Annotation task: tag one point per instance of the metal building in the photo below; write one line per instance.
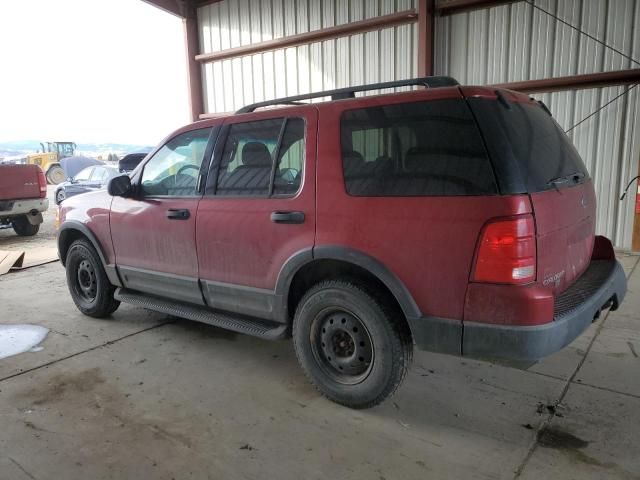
(575, 55)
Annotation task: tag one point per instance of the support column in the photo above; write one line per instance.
(194, 72)
(425, 37)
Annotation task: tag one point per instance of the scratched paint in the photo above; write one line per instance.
(16, 339)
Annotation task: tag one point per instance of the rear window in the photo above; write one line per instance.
(527, 147)
(414, 149)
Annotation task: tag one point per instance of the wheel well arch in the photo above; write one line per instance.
(69, 233)
(363, 270)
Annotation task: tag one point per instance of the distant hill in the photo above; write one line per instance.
(23, 147)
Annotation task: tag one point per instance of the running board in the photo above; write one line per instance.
(250, 326)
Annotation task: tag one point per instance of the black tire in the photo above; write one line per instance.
(354, 347)
(55, 175)
(88, 284)
(23, 227)
(60, 196)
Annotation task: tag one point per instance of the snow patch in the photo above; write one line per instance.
(15, 339)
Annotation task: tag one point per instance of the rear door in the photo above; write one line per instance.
(153, 231)
(259, 208)
(522, 135)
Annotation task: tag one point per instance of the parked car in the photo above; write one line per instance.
(459, 219)
(130, 161)
(23, 198)
(86, 180)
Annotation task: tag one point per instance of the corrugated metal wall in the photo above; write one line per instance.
(517, 42)
(502, 44)
(387, 54)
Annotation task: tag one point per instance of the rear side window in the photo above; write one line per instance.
(414, 149)
(528, 148)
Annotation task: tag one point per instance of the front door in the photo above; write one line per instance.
(259, 208)
(153, 232)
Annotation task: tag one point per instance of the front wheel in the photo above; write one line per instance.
(352, 346)
(88, 284)
(55, 175)
(23, 227)
(60, 196)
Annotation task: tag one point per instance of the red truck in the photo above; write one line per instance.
(23, 198)
(457, 219)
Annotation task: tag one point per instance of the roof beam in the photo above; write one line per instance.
(576, 82)
(376, 23)
(179, 8)
(449, 7)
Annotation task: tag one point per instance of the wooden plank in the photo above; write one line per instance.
(8, 259)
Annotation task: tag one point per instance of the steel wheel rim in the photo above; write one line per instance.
(86, 282)
(342, 346)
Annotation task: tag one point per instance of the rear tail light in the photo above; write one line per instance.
(42, 182)
(507, 252)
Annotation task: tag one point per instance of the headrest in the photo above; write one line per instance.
(352, 159)
(256, 154)
(415, 158)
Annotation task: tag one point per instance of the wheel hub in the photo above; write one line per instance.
(343, 346)
(86, 280)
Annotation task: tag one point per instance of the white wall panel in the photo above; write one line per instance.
(387, 54)
(517, 42)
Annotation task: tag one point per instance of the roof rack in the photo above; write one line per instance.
(349, 92)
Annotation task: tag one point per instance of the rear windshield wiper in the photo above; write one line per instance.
(575, 177)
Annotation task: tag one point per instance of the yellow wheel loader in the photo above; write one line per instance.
(49, 159)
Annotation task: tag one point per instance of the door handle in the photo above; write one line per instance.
(178, 214)
(287, 217)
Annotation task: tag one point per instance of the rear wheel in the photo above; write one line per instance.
(88, 284)
(352, 346)
(23, 227)
(55, 175)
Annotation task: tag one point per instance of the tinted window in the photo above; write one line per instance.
(409, 149)
(247, 159)
(527, 146)
(174, 169)
(291, 158)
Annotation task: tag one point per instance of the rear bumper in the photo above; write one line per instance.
(14, 208)
(603, 285)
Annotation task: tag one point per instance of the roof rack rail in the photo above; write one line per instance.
(349, 92)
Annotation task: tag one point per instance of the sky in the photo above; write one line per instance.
(91, 71)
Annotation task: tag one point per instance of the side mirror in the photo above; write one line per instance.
(119, 186)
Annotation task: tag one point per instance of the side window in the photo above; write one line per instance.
(414, 149)
(245, 167)
(246, 164)
(84, 175)
(288, 174)
(174, 169)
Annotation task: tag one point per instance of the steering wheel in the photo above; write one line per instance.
(185, 167)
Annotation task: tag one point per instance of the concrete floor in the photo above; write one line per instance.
(148, 396)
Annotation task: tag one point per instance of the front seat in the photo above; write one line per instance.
(254, 173)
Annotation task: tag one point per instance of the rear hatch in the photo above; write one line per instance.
(532, 154)
(19, 182)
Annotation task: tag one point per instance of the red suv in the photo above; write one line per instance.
(458, 219)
